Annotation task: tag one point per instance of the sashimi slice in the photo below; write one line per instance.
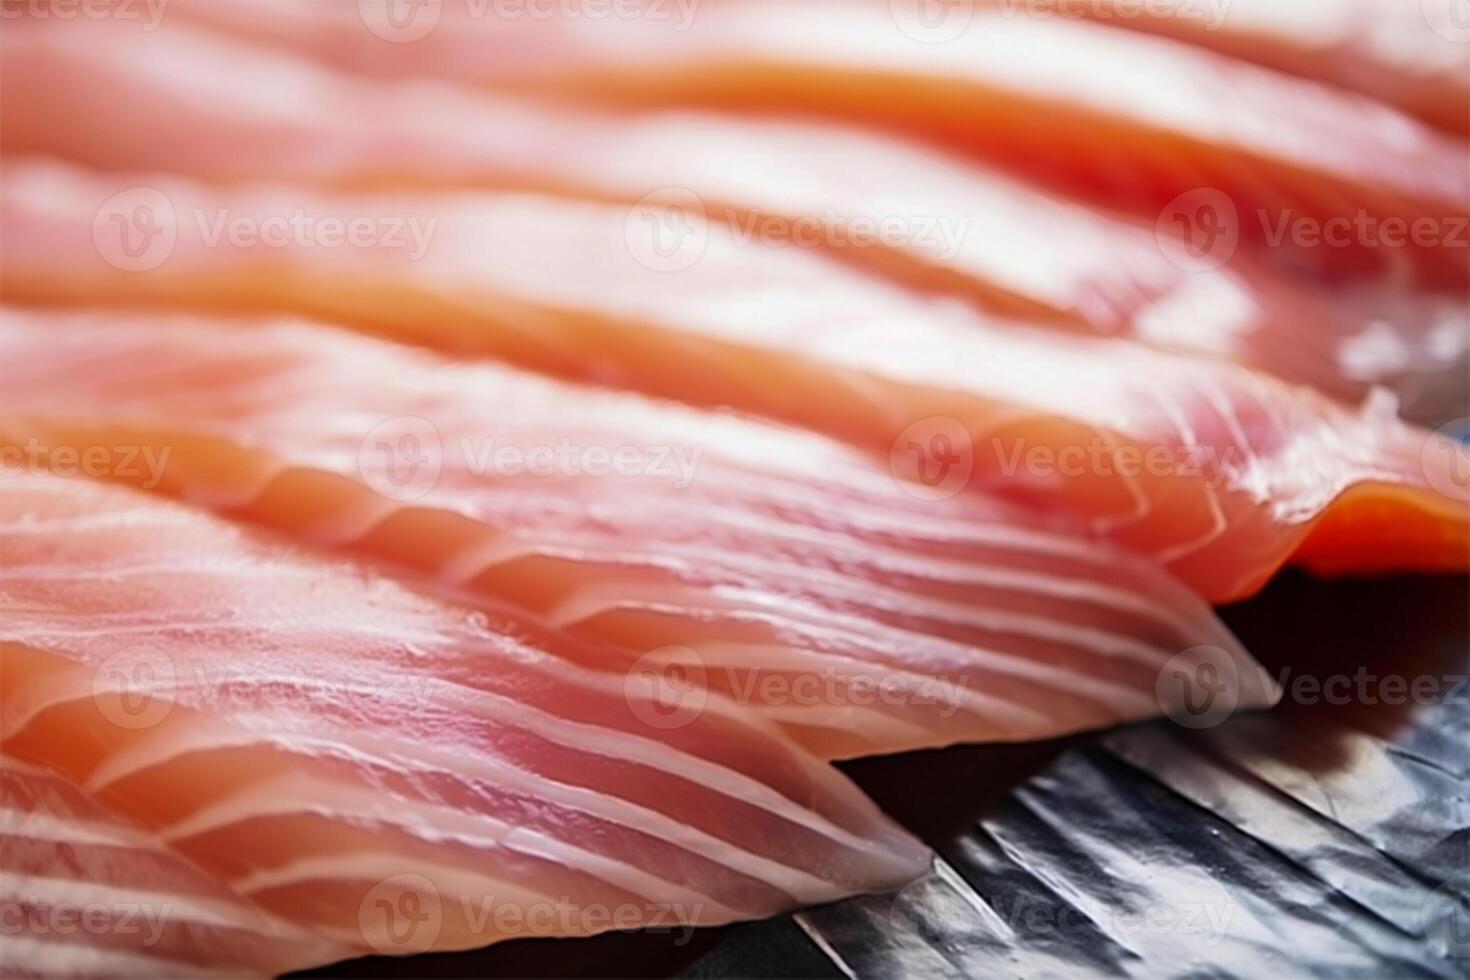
(1415, 56)
(1111, 115)
(86, 892)
(773, 567)
(1219, 472)
(386, 769)
(114, 97)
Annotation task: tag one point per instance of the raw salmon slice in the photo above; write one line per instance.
(1414, 56)
(385, 769)
(1115, 116)
(1221, 473)
(88, 893)
(106, 94)
(779, 569)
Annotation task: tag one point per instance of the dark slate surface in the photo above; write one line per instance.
(1328, 837)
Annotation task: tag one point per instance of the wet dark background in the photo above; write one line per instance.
(1326, 839)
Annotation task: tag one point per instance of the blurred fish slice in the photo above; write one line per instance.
(769, 566)
(87, 893)
(1218, 472)
(1414, 56)
(385, 770)
(1115, 116)
(109, 95)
